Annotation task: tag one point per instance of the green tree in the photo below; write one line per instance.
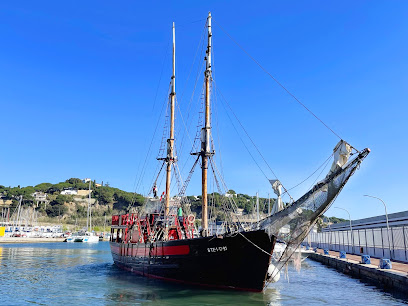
(43, 187)
(74, 181)
(104, 195)
(248, 207)
(61, 186)
(80, 211)
(57, 207)
(63, 198)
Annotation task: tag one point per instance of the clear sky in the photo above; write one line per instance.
(82, 85)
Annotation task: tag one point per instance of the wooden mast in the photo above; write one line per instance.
(206, 132)
(170, 142)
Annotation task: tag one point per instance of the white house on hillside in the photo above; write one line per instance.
(70, 192)
(40, 197)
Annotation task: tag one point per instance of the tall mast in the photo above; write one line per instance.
(206, 131)
(89, 208)
(170, 142)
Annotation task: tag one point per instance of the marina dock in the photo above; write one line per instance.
(29, 240)
(395, 278)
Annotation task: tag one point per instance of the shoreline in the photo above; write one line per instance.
(4, 240)
(395, 278)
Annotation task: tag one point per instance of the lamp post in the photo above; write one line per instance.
(351, 228)
(386, 219)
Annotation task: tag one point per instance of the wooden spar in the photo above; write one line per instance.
(170, 141)
(205, 145)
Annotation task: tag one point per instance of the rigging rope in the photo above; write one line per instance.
(259, 152)
(233, 205)
(258, 247)
(136, 185)
(327, 162)
(161, 75)
(324, 163)
(185, 126)
(276, 81)
(150, 146)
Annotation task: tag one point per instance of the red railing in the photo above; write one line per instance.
(115, 220)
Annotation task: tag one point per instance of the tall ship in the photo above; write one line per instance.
(163, 240)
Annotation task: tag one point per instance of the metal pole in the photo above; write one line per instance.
(359, 241)
(89, 208)
(330, 233)
(320, 240)
(336, 240)
(351, 228)
(405, 243)
(386, 219)
(392, 240)
(372, 235)
(382, 241)
(365, 234)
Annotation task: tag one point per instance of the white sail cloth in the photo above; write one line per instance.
(277, 189)
(341, 153)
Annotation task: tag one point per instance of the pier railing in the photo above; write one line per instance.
(376, 242)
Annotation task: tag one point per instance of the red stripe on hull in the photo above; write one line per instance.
(171, 250)
(140, 250)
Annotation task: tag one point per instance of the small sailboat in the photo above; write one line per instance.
(157, 241)
(86, 234)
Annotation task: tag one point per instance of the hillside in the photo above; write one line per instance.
(52, 205)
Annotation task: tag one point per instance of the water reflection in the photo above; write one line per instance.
(57, 273)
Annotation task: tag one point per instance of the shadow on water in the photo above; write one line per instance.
(133, 288)
(314, 284)
(387, 292)
(77, 274)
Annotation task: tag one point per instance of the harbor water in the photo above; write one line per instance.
(79, 274)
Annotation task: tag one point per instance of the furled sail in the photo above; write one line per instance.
(302, 214)
(277, 189)
(341, 153)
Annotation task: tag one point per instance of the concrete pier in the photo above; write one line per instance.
(395, 278)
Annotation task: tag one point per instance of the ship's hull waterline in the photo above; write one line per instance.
(238, 262)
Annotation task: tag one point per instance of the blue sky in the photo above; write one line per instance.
(83, 85)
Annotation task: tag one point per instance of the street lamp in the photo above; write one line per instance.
(386, 219)
(351, 228)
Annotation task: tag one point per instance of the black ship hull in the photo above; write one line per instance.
(239, 261)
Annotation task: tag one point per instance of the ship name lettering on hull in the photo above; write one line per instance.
(217, 249)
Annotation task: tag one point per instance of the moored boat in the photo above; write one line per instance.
(219, 262)
(158, 241)
(83, 236)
